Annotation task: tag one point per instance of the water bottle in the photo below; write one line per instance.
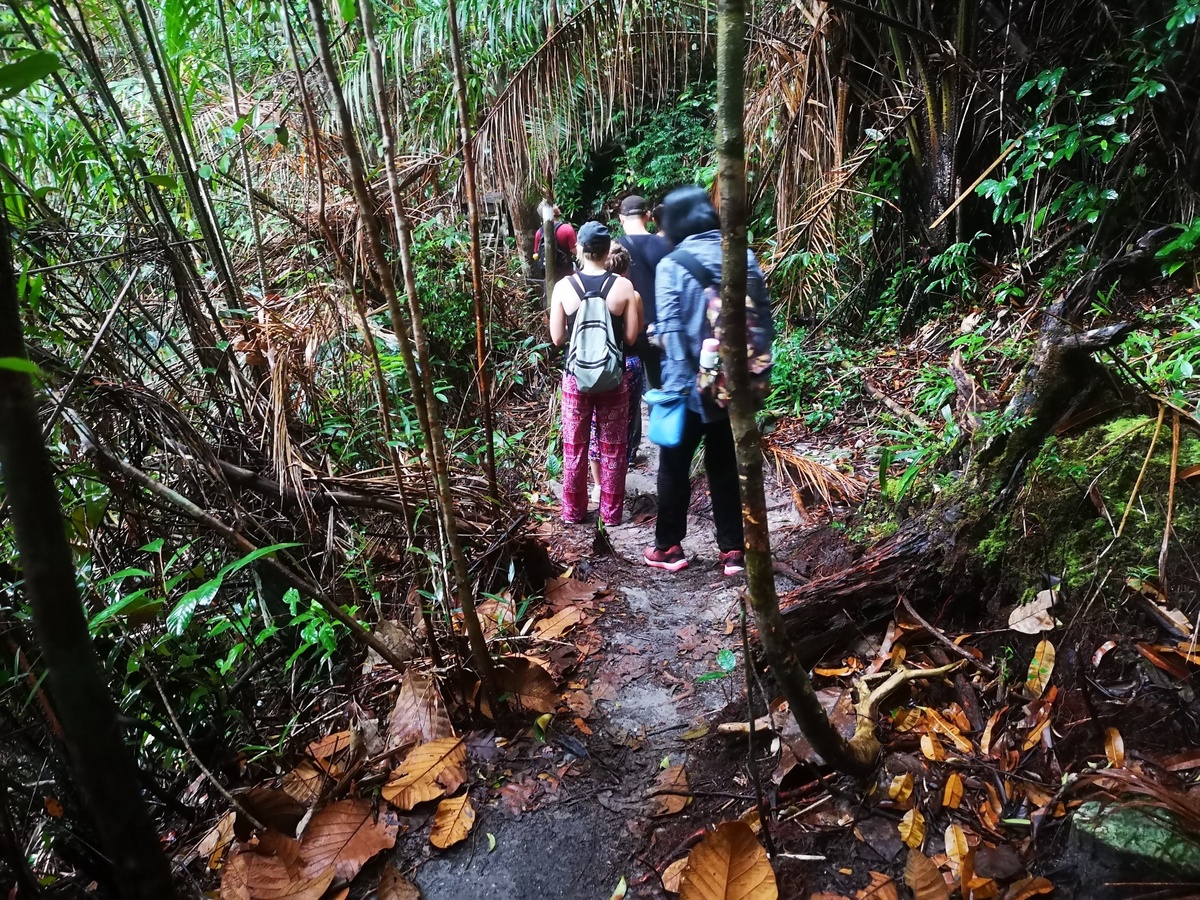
(710, 353)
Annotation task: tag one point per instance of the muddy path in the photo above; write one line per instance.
(570, 817)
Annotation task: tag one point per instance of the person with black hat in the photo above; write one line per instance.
(645, 252)
(611, 407)
(691, 223)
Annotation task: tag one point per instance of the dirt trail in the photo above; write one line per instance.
(591, 823)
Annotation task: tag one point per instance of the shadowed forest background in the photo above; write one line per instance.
(267, 320)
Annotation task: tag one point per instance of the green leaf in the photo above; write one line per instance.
(17, 76)
(124, 573)
(252, 556)
(133, 603)
(710, 676)
(166, 181)
(155, 546)
(726, 661)
(21, 364)
(180, 617)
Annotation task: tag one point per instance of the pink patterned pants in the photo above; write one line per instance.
(612, 424)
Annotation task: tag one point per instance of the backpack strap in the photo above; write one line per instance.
(605, 286)
(694, 267)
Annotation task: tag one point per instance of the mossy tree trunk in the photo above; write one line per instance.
(931, 556)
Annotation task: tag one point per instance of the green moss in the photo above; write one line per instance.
(1056, 526)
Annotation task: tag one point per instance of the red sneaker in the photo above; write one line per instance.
(733, 562)
(671, 559)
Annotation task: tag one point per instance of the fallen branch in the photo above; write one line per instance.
(945, 641)
(881, 395)
(867, 708)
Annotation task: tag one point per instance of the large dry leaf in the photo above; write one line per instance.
(1035, 616)
(901, 788)
(330, 745)
(882, 887)
(1041, 667)
(1114, 747)
(419, 715)
(273, 807)
(559, 624)
(305, 783)
(912, 829)
(673, 874)
(394, 886)
(526, 685)
(729, 864)
(344, 836)
(452, 822)
(563, 591)
(924, 878)
(213, 845)
(252, 876)
(675, 780)
(428, 772)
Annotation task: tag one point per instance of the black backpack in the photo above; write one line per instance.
(564, 262)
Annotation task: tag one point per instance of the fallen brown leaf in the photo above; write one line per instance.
(912, 829)
(305, 783)
(344, 836)
(526, 684)
(1114, 748)
(952, 794)
(1028, 887)
(672, 874)
(729, 864)
(559, 624)
(1040, 668)
(213, 845)
(419, 715)
(394, 886)
(957, 847)
(452, 822)
(330, 745)
(882, 887)
(428, 772)
(923, 877)
(253, 876)
(671, 779)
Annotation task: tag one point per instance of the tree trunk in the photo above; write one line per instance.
(760, 575)
(104, 766)
(481, 329)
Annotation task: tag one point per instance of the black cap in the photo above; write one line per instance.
(633, 205)
(594, 238)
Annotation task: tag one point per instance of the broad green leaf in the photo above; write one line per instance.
(17, 76)
(166, 181)
(252, 556)
(726, 661)
(135, 602)
(21, 364)
(155, 546)
(125, 573)
(180, 617)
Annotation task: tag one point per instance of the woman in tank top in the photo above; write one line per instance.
(610, 408)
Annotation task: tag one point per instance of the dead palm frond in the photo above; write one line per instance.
(806, 476)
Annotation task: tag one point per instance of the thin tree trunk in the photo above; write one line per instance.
(760, 575)
(259, 255)
(475, 636)
(481, 329)
(104, 766)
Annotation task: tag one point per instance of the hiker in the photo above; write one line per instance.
(594, 377)
(565, 242)
(618, 264)
(691, 223)
(645, 251)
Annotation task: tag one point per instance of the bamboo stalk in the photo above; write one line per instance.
(481, 337)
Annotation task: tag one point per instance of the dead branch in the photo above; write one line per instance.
(937, 635)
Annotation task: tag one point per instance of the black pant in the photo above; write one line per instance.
(675, 484)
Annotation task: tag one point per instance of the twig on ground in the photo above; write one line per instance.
(945, 641)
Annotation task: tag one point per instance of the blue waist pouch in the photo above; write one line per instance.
(667, 414)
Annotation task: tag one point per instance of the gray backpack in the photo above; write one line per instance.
(594, 355)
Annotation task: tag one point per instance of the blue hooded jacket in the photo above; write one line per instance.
(681, 326)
